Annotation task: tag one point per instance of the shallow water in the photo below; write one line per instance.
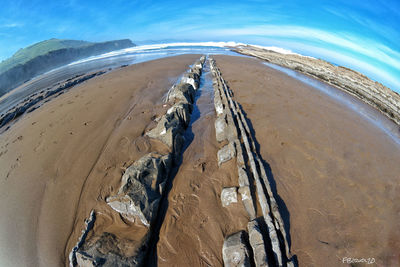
(203, 104)
(364, 110)
(110, 60)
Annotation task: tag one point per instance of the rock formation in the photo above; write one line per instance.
(142, 185)
(249, 165)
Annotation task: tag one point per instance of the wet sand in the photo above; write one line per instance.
(337, 174)
(196, 223)
(49, 155)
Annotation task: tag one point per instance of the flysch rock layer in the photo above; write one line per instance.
(249, 164)
(369, 91)
(142, 184)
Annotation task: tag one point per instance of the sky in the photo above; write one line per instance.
(360, 34)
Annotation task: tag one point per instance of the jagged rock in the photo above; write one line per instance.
(182, 92)
(84, 260)
(220, 129)
(140, 192)
(247, 201)
(235, 251)
(257, 244)
(228, 196)
(226, 153)
(108, 250)
(89, 223)
(180, 111)
(170, 128)
(191, 78)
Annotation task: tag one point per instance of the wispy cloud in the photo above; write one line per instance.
(11, 25)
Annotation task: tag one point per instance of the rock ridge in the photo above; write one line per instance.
(142, 184)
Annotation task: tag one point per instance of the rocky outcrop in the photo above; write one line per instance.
(235, 251)
(142, 185)
(249, 164)
(141, 189)
(15, 76)
(371, 92)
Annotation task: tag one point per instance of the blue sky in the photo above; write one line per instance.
(360, 34)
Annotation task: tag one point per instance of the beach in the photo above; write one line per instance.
(335, 174)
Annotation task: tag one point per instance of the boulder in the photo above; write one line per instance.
(220, 129)
(107, 250)
(171, 127)
(257, 244)
(141, 186)
(192, 79)
(181, 112)
(226, 153)
(84, 260)
(196, 70)
(228, 196)
(235, 251)
(182, 92)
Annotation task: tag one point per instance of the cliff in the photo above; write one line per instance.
(44, 56)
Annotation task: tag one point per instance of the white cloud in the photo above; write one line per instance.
(354, 43)
(11, 25)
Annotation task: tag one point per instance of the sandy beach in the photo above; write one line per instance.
(49, 157)
(336, 174)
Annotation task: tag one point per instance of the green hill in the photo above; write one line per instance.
(36, 59)
(25, 54)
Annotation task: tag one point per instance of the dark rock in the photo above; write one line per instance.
(142, 184)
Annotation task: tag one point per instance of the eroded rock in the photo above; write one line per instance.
(171, 126)
(226, 153)
(182, 92)
(108, 250)
(228, 196)
(247, 201)
(235, 251)
(192, 79)
(257, 244)
(220, 129)
(140, 192)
